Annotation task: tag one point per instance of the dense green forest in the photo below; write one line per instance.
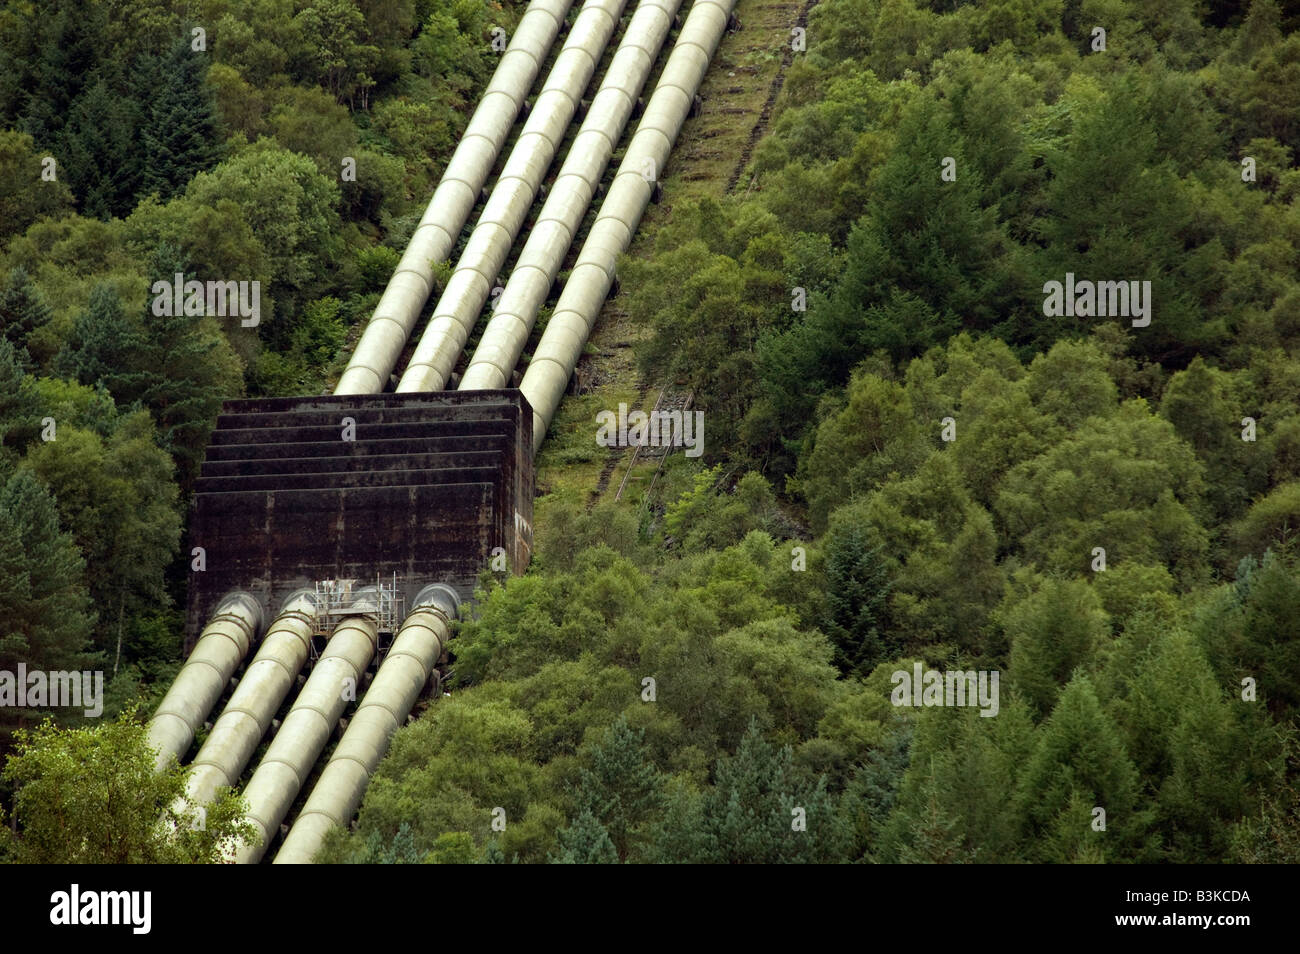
(909, 461)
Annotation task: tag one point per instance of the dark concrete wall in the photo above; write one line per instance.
(429, 485)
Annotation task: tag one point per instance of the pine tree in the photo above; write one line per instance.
(1117, 210)
(1270, 832)
(19, 402)
(15, 590)
(67, 48)
(179, 367)
(49, 616)
(621, 788)
(953, 805)
(758, 796)
(585, 842)
(399, 850)
(180, 129)
(1198, 402)
(22, 310)
(1260, 31)
(101, 154)
(936, 242)
(105, 345)
(1212, 758)
(1270, 634)
(680, 835)
(1051, 631)
(873, 790)
(936, 837)
(1080, 764)
(857, 593)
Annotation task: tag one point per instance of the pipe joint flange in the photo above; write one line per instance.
(300, 594)
(439, 596)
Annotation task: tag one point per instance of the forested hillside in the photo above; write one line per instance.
(913, 458)
(836, 318)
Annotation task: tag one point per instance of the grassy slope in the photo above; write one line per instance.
(708, 160)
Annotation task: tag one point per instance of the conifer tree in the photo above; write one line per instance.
(19, 402)
(585, 842)
(64, 48)
(49, 614)
(101, 152)
(756, 800)
(1051, 631)
(104, 347)
(621, 788)
(1080, 765)
(22, 310)
(179, 137)
(857, 594)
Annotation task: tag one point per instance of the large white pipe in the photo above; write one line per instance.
(470, 284)
(404, 673)
(307, 727)
(589, 283)
(385, 336)
(222, 645)
(247, 716)
(552, 234)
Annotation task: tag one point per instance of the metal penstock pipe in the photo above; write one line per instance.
(530, 282)
(255, 701)
(381, 344)
(222, 645)
(470, 284)
(404, 673)
(312, 718)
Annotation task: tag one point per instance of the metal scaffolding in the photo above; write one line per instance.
(338, 599)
